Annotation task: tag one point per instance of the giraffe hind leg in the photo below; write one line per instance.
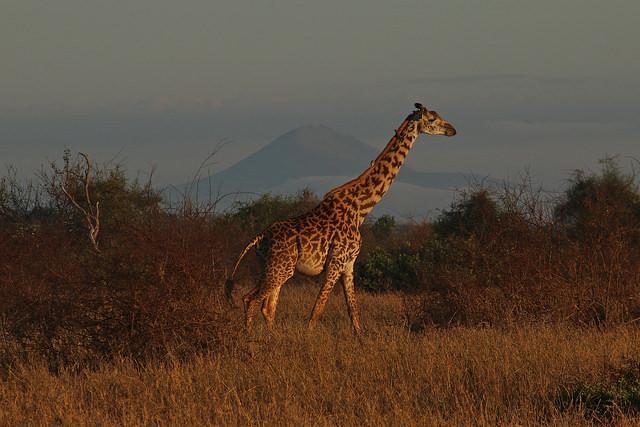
(249, 295)
(254, 291)
(277, 272)
(252, 307)
(267, 297)
(269, 307)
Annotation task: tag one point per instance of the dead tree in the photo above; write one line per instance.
(92, 212)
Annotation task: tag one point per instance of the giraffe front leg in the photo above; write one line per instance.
(333, 273)
(350, 298)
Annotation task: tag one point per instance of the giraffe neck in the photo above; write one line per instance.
(361, 194)
(376, 180)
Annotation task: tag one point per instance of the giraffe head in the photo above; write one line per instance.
(431, 123)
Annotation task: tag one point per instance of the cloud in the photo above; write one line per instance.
(471, 78)
(605, 125)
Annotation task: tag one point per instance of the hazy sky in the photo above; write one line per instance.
(545, 85)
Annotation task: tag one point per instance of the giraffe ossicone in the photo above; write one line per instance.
(327, 238)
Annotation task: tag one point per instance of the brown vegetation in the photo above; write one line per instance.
(508, 309)
(513, 256)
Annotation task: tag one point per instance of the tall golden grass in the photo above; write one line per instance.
(455, 376)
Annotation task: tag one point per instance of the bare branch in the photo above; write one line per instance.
(91, 216)
(87, 181)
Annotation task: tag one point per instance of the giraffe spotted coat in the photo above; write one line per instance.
(327, 238)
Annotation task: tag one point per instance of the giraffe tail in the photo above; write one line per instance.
(228, 286)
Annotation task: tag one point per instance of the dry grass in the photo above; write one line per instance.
(545, 330)
(454, 376)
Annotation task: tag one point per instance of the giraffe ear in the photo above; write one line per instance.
(417, 115)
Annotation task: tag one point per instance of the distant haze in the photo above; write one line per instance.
(319, 158)
(545, 86)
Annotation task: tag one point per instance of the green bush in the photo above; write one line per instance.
(256, 215)
(476, 214)
(408, 268)
(596, 205)
(605, 400)
(383, 227)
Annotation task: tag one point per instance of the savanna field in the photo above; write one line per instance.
(509, 308)
(529, 375)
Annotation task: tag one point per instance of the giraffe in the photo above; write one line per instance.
(327, 238)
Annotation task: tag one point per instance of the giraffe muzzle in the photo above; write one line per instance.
(450, 131)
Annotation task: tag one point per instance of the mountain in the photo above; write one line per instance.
(321, 158)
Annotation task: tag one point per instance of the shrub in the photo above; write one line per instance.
(383, 227)
(256, 215)
(407, 268)
(475, 215)
(620, 395)
(154, 285)
(520, 259)
(599, 204)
